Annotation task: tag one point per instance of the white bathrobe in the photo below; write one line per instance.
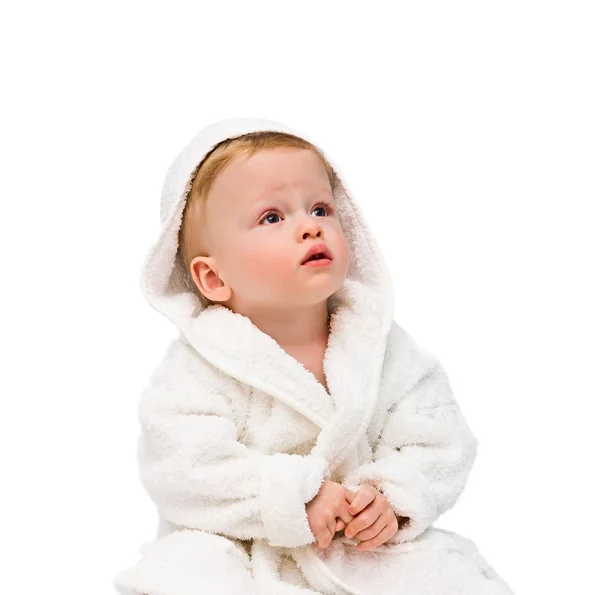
(237, 436)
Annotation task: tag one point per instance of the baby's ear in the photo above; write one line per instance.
(204, 273)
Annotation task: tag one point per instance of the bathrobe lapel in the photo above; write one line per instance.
(352, 365)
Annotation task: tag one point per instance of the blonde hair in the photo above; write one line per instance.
(191, 243)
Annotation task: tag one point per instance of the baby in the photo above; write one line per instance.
(257, 207)
(295, 439)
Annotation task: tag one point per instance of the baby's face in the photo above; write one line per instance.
(263, 214)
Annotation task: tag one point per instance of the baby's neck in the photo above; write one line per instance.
(299, 331)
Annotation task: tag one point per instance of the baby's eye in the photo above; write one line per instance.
(270, 215)
(322, 208)
(329, 210)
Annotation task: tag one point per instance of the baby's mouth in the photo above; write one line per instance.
(319, 252)
(316, 257)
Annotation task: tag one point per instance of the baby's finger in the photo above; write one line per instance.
(339, 525)
(373, 530)
(322, 538)
(345, 515)
(327, 534)
(331, 526)
(388, 531)
(363, 498)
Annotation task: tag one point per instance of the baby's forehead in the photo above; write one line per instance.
(272, 171)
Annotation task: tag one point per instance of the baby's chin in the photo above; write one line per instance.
(298, 300)
(295, 291)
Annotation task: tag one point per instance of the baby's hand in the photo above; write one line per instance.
(376, 523)
(328, 511)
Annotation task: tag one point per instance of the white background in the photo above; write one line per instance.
(469, 132)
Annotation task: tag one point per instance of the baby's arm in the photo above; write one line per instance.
(201, 477)
(425, 451)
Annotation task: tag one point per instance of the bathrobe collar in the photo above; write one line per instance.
(362, 311)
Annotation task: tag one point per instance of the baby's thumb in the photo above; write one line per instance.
(339, 525)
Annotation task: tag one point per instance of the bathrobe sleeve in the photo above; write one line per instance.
(424, 454)
(200, 476)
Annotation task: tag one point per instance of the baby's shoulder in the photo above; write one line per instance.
(406, 360)
(400, 343)
(183, 376)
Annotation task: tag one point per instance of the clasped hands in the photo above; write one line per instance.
(365, 515)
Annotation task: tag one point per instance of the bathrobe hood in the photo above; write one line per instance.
(362, 309)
